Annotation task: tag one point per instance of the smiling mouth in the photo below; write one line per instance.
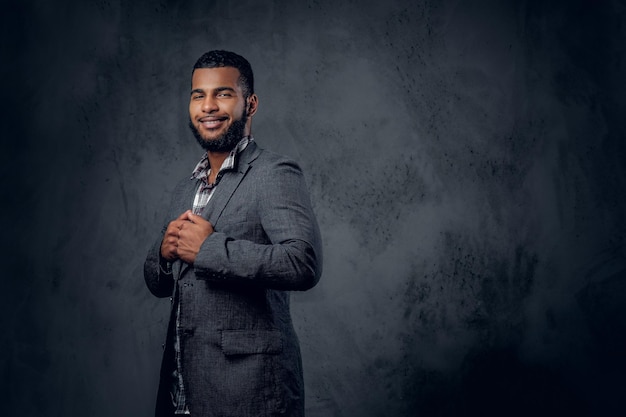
(212, 122)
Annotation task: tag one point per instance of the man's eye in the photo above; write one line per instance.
(224, 95)
(197, 97)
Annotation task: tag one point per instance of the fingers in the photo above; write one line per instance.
(184, 236)
(195, 219)
(184, 215)
(170, 243)
(169, 248)
(187, 217)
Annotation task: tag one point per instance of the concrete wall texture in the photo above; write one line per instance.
(466, 162)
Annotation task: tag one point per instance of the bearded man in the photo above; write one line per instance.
(239, 236)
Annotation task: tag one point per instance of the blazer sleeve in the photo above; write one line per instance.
(156, 272)
(293, 258)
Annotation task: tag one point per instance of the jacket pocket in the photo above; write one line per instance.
(249, 342)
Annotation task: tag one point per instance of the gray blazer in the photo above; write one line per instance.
(240, 354)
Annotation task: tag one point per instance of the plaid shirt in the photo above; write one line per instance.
(203, 170)
(203, 195)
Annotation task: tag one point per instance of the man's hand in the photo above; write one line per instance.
(192, 234)
(184, 236)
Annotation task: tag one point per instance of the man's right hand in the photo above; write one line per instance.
(169, 245)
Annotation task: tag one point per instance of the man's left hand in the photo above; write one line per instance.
(191, 235)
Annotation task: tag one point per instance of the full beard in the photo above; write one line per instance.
(227, 141)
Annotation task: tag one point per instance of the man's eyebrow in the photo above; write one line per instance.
(220, 89)
(215, 90)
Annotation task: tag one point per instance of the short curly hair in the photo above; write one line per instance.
(217, 59)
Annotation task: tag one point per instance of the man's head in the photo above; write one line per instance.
(222, 100)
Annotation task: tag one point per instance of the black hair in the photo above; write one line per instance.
(217, 59)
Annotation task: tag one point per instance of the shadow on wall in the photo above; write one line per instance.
(603, 304)
(497, 382)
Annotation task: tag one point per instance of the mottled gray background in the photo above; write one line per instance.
(466, 162)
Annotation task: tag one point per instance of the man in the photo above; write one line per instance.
(241, 235)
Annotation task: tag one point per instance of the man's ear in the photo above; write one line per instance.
(253, 104)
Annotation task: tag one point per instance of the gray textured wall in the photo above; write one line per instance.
(466, 164)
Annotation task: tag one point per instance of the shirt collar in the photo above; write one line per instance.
(203, 169)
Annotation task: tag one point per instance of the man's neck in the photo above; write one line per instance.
(216, 159)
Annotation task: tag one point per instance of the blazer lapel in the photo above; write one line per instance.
(221, 195)
(229, 183)
(185, 196)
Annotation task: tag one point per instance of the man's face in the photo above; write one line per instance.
(217, 108)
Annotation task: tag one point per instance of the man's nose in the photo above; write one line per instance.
(209, 104)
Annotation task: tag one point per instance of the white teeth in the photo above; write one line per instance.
(212, 120)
